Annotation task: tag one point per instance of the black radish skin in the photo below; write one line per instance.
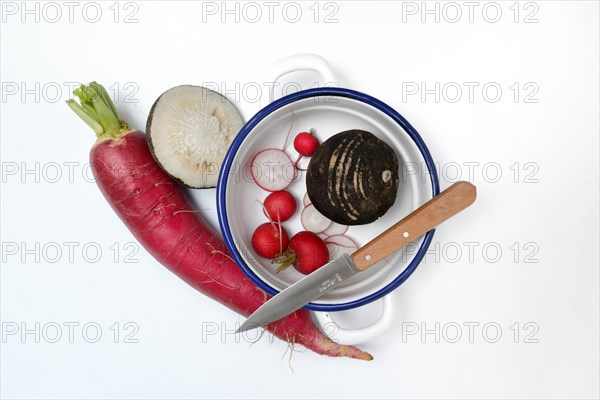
(352, 178)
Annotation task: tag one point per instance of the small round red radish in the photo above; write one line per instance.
(306, 143)
(273, 170)
(312, 220)
(307, 253)
(270, 239)
(280, 206)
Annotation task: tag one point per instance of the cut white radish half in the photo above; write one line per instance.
(341, 240)
(306, 200)
(189, 130)
(272, 170)
(335, 229)
(314, 221)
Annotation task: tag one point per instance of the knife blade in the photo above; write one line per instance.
(437, 210)
(302, 292)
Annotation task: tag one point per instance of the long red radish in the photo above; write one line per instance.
(153, 206)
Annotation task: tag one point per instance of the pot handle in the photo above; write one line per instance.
(326, 321)
(296, 62)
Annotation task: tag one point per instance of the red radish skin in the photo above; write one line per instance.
(307, 253)
(306, 143)
(280, 206)
(270, 239)
(157, 212)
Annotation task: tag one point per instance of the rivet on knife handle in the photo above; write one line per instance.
(437, 210)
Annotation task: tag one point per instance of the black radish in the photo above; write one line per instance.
(352, 178)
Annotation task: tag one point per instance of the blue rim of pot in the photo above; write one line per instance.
(262, 114)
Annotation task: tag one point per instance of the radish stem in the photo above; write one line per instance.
(287, 137)
(91, 120)
(101, 91)
(98, 111)
(280, 239)
(297, 161)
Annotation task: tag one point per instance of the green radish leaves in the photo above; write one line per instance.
(98, 111)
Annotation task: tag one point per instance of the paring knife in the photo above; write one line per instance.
(437, 210)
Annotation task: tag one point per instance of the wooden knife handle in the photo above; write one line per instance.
(437, 210)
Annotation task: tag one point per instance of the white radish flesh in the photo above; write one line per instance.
(314, 221)
(335, 229)
(341, 240)
(272, 170)
(335, 250)
(189, 130)
(306, 200)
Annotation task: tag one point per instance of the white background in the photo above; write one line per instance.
(549, 208)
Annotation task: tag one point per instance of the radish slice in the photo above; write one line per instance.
(335, 229)
(340, 244)
(342, 241)
(314, 221)
(335, 250)
(306, 200)
(272, 170)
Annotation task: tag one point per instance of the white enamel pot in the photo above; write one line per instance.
(329, 110)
